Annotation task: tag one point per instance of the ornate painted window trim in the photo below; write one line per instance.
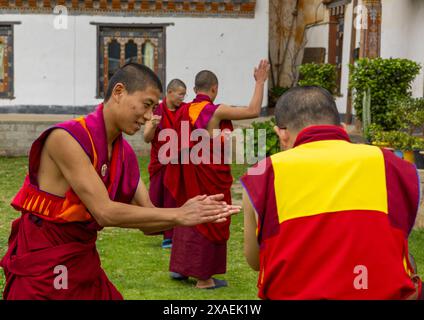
(139, 34)
(207, 8)
(6, 38)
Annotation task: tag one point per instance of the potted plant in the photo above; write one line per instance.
(401, 143)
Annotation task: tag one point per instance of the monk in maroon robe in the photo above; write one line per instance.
(163, 118)
(83, 176)
(201, 251)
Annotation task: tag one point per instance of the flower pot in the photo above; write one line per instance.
(409, 156)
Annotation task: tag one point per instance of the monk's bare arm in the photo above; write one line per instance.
(141, 196)
(251, 246)
(75, 166)
(142, 199)
(150, 128)
(226, 112)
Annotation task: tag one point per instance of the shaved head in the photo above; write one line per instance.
(205, 80)
(134, 77)
(175, 84)
(301, 107)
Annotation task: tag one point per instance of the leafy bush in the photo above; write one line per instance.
(408, 114)
(397, 140)
(272, 141)
(322, 75)
(388, 80)
(408, 117)
(275, 93)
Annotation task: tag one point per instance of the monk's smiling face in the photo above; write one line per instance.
(134, 109)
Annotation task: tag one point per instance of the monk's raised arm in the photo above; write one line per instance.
(226, 112)
(78, 171)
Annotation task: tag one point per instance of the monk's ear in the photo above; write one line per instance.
(215, 88)
(284, 137)
(118, 91)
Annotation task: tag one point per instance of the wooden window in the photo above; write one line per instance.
(120, 44)
(314, 55)
(6, 61)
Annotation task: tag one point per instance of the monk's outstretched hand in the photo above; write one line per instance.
(206, 209)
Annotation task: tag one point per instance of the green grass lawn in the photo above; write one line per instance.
(136, 263)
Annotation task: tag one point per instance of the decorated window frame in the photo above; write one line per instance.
(6, 60)
(118, 44)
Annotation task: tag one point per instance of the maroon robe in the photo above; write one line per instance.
(159, 194)
(199, 251)
(59, 231)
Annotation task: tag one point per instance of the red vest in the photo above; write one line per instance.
(334, 219)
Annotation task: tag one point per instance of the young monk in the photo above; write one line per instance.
(163, 118)
(201, 251)
(329, 219)
(84, 176)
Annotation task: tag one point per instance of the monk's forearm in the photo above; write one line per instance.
(149, 132)
(255, 105)
(116, 214)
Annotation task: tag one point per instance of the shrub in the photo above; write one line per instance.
(408, 114)
(322, 75)
(388, 80)
(397, 140)
(272, 141)
(275, 93)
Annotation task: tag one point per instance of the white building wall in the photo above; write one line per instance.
(58, 67)
(317, 37)
(416, 44)
(395, 27)
(402, 34)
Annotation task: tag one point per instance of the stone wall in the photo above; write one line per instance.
(16, 137)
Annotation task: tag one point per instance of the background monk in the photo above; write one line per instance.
(329, 219)
(163, 118)
(84, 176)
(201, 251)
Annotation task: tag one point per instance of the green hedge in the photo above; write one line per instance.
(272, 141)
(387, 80)
(322, 75)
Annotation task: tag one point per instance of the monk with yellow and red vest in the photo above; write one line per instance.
(329, 219)
(201, 251)
(84, 176)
